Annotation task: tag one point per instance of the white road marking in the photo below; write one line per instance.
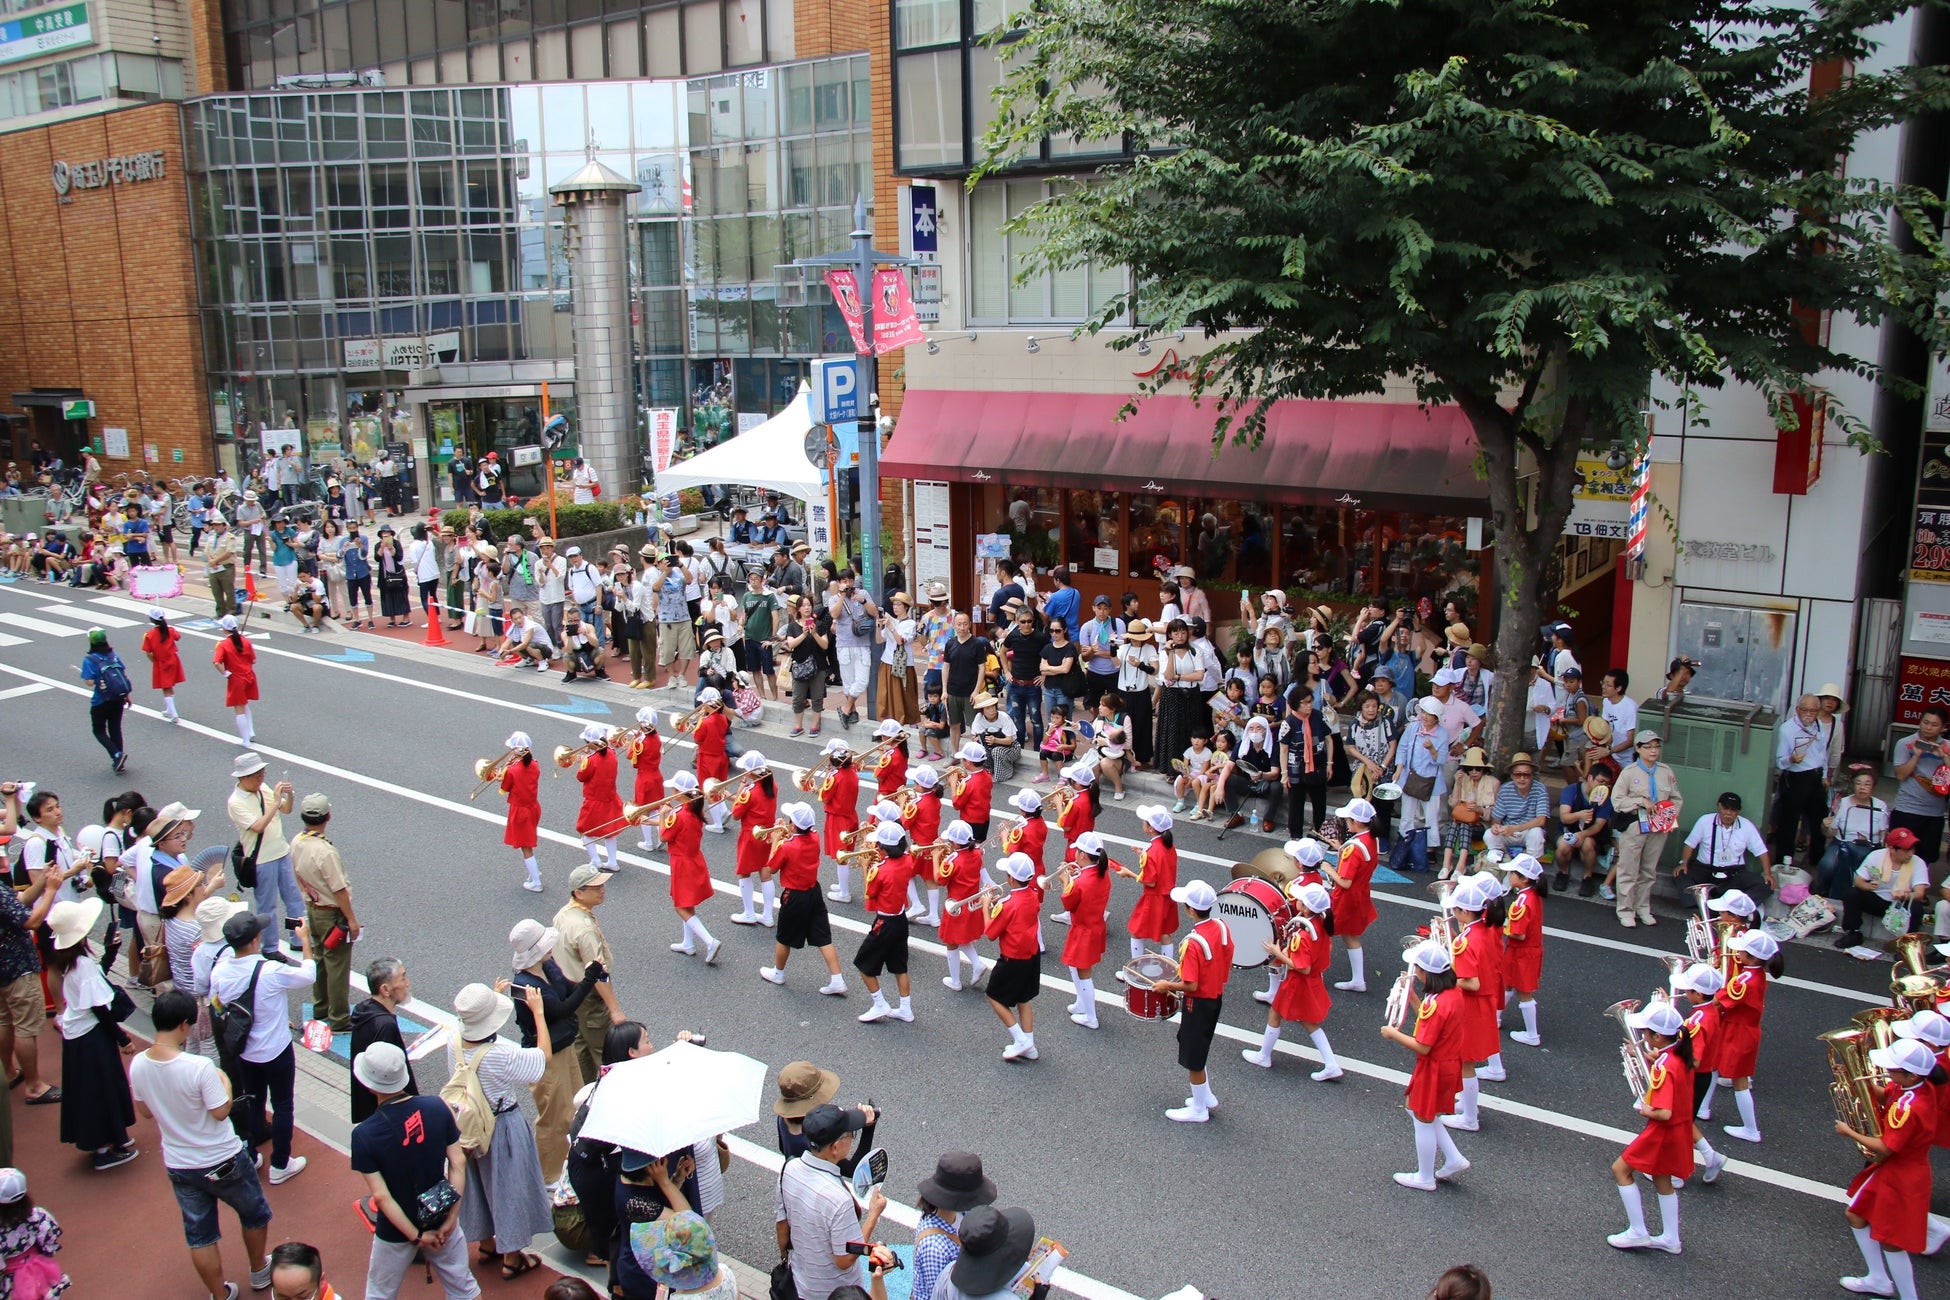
(87, 617)
(34, 688)
(9, 639)
(40, 625)
(1496, 1105)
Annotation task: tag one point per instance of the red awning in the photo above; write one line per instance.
(1386, 455)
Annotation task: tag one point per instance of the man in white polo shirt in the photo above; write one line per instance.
(1722, 841)
(815, 1210)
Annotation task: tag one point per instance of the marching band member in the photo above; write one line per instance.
(521, 782)
(646, 755)
(1741, 1003)
(972, 803)
(1495, 913)
(1696, 985)
(1432, 1085)
(1735, 903)
(802, 912)
(839, 795)
(1933, 1031)
(1305, 950)
(1204, 962)
(755, 807)
(1663, 1150)
(1307, 854)
(1085, 901)
(1154, 918)
(165, 662)
(924, 827)
(1017, 977)
(890, 769)
(1029, 838)
(885, 947)
(1349, 877)
(1523, 944)
(601, 809)
(690, 878)
(713, 763)
(236, 659)
(964, 877)
(1080, 817)
(1472, 958)
(1889, 1200)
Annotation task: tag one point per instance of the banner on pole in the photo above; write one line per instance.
(895, 322)
(846, 294)
(663, 437)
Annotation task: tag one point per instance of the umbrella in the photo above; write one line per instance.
(671, 1099)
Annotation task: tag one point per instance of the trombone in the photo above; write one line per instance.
(716, 791)
(688, 723)
(569, 756)
(866, 758)
(489, 771)
(635, 814)
(774, 835)
(808, 779)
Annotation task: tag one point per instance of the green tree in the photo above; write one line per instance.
(1529, 209)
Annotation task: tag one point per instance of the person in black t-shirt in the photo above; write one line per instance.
(404, 1149)
(1022, 658)
(961, 665)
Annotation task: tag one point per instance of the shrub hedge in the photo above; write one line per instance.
(570, 521)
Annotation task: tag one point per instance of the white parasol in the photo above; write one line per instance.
(670, 1099)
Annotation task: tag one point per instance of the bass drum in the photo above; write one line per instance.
(1257, 912)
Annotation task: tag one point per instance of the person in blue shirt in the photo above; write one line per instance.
(199, 512)
(103, 670)
(1585, 828)
(1064, 602)
(135, 538)
(741, 528)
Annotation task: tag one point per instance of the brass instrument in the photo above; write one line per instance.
(907, 800)
(983, 899)
(567, 756)
(1403, 1002)
(716, 791)
(1699, 926)
(776, 834)
(857, 839)
(955, 778)
(489, 771)
(1878, 1023)
(688, 723)
(1726, 959)
(1058, 801)
(1856, 1086)
(809, 778)
(1442, 929)
(1632, 1053)
(1915, 985)
(861, 857)
(867, 757)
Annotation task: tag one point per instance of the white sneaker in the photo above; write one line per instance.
(1460, 1124)
(1031, 1054)
(931, 922)
(950, 983)
(1499, 1077)
(1711, 1172)
(1061, 918)
(1088, 1022)
(744, 918)
(900, 1014)
(878, 1011)
(1188, 1114)
(1416, 1181)
(1015, 1051)
(773, 976)
(1744, 1134)
(286, 1172)
(1868, 1286)
(531, 886)
(1352, 986)
(1668, 1244)
(1326, 1074)
(981, 973)
(916, 912)
(688, 950)
(1263, 996)
(261, 1277)
(1528, 1040)
(837, 896)
(1629, 1240)
(714, 828)
(1452, 1170)
(834, 988)
(1263, 1062)
(711, 952)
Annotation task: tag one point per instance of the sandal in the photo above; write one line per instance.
(524, 1262)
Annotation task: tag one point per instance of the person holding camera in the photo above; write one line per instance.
(410, 1154)
(266, 1067)
(817, 1219)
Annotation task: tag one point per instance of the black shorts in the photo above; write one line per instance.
(1197, 1023)
(885, 947)
(1016, 980)
(1702, 1080)
(168, 534)
(980, 830)
(802, 919)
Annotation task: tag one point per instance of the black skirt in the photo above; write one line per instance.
(1179, 711)
(1197, 1023)
(96, 1108)
(802, 919)
(393, 601)
(1016, 980)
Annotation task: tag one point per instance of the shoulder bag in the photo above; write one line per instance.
(243, 866)
(783, 1287)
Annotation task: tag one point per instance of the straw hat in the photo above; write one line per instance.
(1139, 630)
(1598, 730)
(1457, 633)
(1474, 758)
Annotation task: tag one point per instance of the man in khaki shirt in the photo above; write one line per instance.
(220, 565)
(581, 942)
(328, 910)
(1642, 784)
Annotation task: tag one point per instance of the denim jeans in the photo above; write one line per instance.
(590, 618)
(197, 1196)
(1026, 711)
(1053, 698)
(278, 883)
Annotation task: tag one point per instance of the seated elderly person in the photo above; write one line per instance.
(1891, 875)
(1857, 824)
(1521, 809)
(995, 731)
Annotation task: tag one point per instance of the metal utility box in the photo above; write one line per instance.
(1744, 653)
(23, 514)
(1715, 746)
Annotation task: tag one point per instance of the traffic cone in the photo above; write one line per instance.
(250, 586)
(436, 615)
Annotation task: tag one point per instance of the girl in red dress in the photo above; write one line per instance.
(165, 663)
(1155, 917)
(646, 754)
(690, 878)
(712, 738)
(1304, 951)
(601, 815)
(755, 808)
(1495, 913)
(236, 659)
(1081, 815)
(1741, 1003)
(521, 781)
(1349, 876)
(963, 877)
(924, 828)
(972, 803)
(1031, 836)
(1474, 961)
(1523, 944)
(1437, 1043)
(890, 769)
(1663, 1150)
(839, 795)
(1889, 1201)
(1693, 988)
(1086, 899)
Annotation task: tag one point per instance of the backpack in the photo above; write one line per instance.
(233, 1021)
(468, 1101)
(113, 679)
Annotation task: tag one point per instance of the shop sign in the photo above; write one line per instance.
(1738, 552)
(1919, 684)
(1929, 559)
(33, 35)
(1601, 504)
(401, 354)
(125, 170)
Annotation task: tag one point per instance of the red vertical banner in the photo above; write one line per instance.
(895, 322)
(846, 295)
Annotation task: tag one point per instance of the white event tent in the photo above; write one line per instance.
(771, 456)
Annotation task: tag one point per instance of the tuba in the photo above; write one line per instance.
(1855, 1086)
(489, 771)
(1700, 939)
(1632, 1053)
(1915, 985)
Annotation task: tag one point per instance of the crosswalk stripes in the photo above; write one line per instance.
(8, 639)
(89, 618)
(41, 625)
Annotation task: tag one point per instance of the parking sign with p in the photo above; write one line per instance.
(835, 390)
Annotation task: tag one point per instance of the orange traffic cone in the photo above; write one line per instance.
(436, 615)
(250, 586)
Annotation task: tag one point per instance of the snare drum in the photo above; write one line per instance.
(1257, 912)
(1140, 999)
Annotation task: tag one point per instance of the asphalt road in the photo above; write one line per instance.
(1286, 1191)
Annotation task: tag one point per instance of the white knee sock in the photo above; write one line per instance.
(1897, 1261)
(1703, 1152)
(1451, 1153)
(1137, 949)
(609, 847)
(843, 879)
(1529, 1010)
(694, 929)
(1017, 1036)
(1425, 1147)
(1202, 1094)
(594, 849)
(1325, 1048)
(1266, 1042)
(770, 889)
(913, 895)
(1470, 1091)
(1744, 1099)
(1357, 962)
(1706, 1103)
(1495, 1063)
(745, 893)
(1877, 1270)
(954, 965)
(243, 724)
(534, 871)
(1273, 977)
(250, 721)
(934, 903)
(1634, 1207)
(1669, 1215)
(169, 711)
(1086, 997)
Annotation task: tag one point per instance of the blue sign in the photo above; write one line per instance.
(925, 224)
(835, 390)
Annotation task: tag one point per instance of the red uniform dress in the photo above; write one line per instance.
(712, 762)
(1665, 1146)
(522, 783)
(972, 804)
(1741, 1002)
(796, 862)
(1076, 819)
(1087, 899)
(1015, 928)
(1476, 960)
(924, 823)
(839, 795)
(1523, 941)
(647, 755)
(890, 773)
(1302, 994)
(1156, 917)
(1028, 838)
(1353, 907)
(1703, 1028)
(241, 663)
(690, 879)
(1893, 1194)
(602, 811)
(964, 880)
(1437, 1076)
(1942, 1102)
(1493, 973)
(165, 664)
(755, 810)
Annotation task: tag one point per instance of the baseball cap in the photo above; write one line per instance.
(1927, 1026)
(1195, 894)
(827, 1123)
(1733, 901)
(1901, 838)
(888, 834)
(1089, 842)
(586, 876)
(799, 814)
(244, 927)
(1905, 1054)
(1359, 810)
(1469, 898)
(13, 1186)
(1314, 898)
(316, 805)
(1019, 866)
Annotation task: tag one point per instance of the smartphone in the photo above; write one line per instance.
(293, 922)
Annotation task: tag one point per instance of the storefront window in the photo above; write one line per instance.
(1157, 535)
(1095, 532)
(1033, 519)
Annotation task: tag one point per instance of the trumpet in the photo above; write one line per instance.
(1632, 1054)
(983, 899)
(688, 723)
(955, 778)
(1699, 926)
(1856, 1085)
(716, 791)
(774, 835)
(569, 756)
(489, 771)
(907, 800)
(1059, 800)
(862, 857)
